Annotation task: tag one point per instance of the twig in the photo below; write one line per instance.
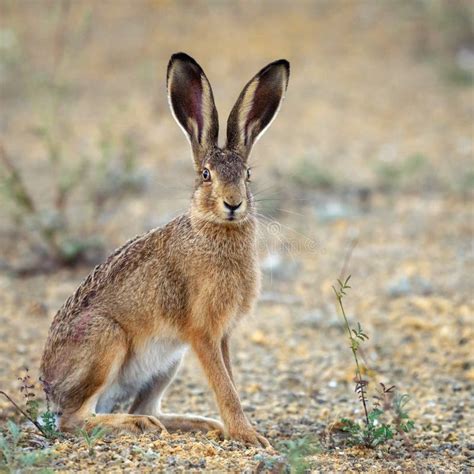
(28, 417)
(17, 187)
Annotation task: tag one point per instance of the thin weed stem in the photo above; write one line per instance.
(360, 383)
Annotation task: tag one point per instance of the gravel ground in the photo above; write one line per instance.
(357, 108)
(293, 366)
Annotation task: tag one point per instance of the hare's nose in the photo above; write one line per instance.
(231, 207)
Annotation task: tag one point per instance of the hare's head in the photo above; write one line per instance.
(222, 191)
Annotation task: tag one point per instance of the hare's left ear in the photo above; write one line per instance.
(257, 106)
(192, 104)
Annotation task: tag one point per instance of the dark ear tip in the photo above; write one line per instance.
(183, 57)
(284, 63)
(277, 64)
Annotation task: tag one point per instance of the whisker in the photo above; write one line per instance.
(266, 199)
(290, 212)
(260, 191)
(269, 220)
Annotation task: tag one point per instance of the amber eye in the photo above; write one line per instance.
(249, 174)
(206, 174)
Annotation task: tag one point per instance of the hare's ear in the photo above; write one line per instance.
(257, 106)
(192, 104)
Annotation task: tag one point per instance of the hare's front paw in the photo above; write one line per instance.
(250, 437)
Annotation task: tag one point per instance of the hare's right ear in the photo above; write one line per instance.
(192, 104)
(257, 106)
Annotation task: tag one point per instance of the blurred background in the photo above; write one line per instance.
(379, 101)
(368, 170)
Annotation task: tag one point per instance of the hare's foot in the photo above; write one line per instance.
(174, 422)
(249, 436)
(124, 422)
(114, 423)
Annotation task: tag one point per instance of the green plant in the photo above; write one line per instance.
(402, 420)
(49, 224)
(359, 435)
(378, 431)
(98, 182)
(297, 451)
(376, 428)
(396, 175)
(309, 174)
(91, 437)
(15, 459)
(48, 422)
(370, 434)
(356, 337)
(45, 421)
(8, 446)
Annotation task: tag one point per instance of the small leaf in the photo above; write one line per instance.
(14, 431)
(375, 414)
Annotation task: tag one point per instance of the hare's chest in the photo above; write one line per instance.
(225, 294)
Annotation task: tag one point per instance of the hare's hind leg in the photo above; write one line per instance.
(85, 417)
(148, 402)
(115, 423)
(118, 422)
(88, 376)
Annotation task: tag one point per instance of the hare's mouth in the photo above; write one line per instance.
(232, 212)
(233, 216)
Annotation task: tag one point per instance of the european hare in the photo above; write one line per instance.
(126, 328)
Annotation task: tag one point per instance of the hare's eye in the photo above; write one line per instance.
(206, 174)
(249, 174)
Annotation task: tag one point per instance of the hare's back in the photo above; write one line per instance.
(126, 278)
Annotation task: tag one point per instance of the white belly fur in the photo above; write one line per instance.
(157, 357)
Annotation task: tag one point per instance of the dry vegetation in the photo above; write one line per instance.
(374, 142)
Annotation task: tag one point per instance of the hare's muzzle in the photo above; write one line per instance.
(232, 209)
(233, 203)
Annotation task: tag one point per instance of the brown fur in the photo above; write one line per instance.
(187, 283)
